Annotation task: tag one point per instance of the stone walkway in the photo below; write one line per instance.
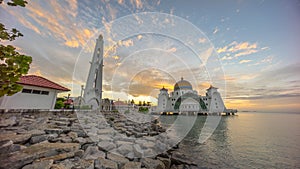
(85, 140)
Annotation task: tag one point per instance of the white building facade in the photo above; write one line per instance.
(37, 93)
(185, 99)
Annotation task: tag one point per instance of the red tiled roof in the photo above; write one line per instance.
(33, 80)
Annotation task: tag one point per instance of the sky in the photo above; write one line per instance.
(248, 49)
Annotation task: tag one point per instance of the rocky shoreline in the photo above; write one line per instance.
(85, 140)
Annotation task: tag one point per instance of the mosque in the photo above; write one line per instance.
(185, 99)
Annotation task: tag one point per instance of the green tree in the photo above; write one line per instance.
(13, 65)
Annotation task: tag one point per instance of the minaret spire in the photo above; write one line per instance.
(93, 90)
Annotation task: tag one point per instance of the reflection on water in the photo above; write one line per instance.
(249, 140)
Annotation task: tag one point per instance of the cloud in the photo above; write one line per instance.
(221, 50)
(172, 50)
(272, 96)
(246, 52)
(268, 59)
(201, 40)
(216, 30)
(55, 20)
(227, 58)
(245, 61)
(239, 49)
(72, 43)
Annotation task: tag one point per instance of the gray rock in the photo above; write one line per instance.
(149, 152)
(161, 147)
(79, 153)
(54, 131)
(79, 132)
(33, 133)
(105, 137)
(102, 163)
(153, 164)
(36, 151)
(132, 165)
(16, 147)
(73, 135)
(166, 161)
(46, 164)
(119, 143)
(80, 140)
(138, 152)
(8, 122)
(105, 131)
(106, 145)
(60, 123)
(148, 144)
(180, 158)
(5, 146)
(120, 160)
(16, 138)
(92, 153)
(38, 139)
(125, 149)
(66, 140)
(52, 136)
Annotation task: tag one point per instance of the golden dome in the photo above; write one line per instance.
(183, 84)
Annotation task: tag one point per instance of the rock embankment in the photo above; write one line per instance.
(66, 140)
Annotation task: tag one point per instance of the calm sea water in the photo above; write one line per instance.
(249, 140)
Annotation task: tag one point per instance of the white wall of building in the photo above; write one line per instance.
(29, 100)
(189, 105)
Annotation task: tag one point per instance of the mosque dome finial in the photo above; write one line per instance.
(183, 84)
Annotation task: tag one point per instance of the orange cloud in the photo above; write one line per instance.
(172, 50)
(72, 43)
(247, 52)
(239, 49)
(201, 40)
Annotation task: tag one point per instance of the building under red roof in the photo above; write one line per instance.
(33, 80)
(37, 93)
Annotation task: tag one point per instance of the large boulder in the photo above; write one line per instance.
(153, 164)
(120, 160)
(181, 158)
(125, 149)
(16, 138)
(92, 153)
(36, 151)
(46, 164)
(8, 122)
(132, 165)
(102, 163)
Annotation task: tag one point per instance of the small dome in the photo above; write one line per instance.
(164, 89)
(183, 84)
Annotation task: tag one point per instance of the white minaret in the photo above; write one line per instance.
(162, 99)
(216, 104)
(93, 88)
